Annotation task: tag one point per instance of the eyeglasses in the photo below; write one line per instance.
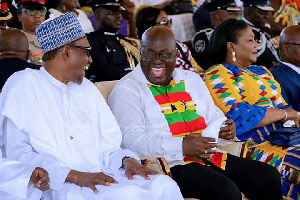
(291, 43)
(86, 49)
(165, 22)
(163, 55)
(34, 12)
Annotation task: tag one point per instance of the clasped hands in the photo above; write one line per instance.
(203, 147)
(132, 167)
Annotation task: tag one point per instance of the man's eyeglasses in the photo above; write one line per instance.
(291, 43)
(86, 49)
(163, 55)
(165, 22)
(34, 12)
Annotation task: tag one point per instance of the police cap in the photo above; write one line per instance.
(228, 5)
(260, 4)
(107, 4)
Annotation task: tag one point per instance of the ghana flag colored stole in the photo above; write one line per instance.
(180, 112)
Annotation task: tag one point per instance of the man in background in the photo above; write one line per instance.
(256, 14)
(287, 72)
(113, 55)
(219, 11)
(14, 53)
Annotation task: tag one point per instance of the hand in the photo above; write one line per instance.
(132, 167)
(40, 179)
(89, 180)
(293, 115)
(196, 145)
(228, 132)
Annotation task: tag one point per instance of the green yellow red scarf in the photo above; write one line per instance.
(180, 112)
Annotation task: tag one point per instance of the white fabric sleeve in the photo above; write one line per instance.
(14, 178)
(110, 136)
(18, 148)
(129, 113)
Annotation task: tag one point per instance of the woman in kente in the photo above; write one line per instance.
(252, 98)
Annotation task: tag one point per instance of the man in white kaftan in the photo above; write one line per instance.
(57, 119)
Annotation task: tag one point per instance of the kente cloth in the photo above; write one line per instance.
(244, 96)
(180, 112)
(144, 126)
(282, 15)
(60, 127)
(181, 63)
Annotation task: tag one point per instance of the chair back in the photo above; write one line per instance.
(105, 87)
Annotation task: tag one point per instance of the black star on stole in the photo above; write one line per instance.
(173, 108)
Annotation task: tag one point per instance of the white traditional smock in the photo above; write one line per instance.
(62, 127)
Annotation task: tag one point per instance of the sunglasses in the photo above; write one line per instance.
(165, 22)
(86, 49)
(34, 12)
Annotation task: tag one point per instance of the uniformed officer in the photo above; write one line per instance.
(219, 10)
(5, 15)
(32, 13)
(113, 54)
(255, 13)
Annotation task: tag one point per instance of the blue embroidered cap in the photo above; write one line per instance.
(57, 32)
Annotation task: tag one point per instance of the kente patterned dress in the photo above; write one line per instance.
(244, 96)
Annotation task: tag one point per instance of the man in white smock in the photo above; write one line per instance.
(57, 119)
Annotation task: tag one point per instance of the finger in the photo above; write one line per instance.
(101, 181)
(204, 156)
(129, 174)
(151, 172)
(110, 179)
(142, 172)
(223, 134)
(296, 123)
(208, 139)
(38, 184)
(93, 187)
(45, 186)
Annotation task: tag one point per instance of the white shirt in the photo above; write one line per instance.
(85, 23)
(61, 127)
(295, 68)
(144, 127)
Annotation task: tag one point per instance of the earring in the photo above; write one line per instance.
(233, 56)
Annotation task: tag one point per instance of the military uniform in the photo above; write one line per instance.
(113, 56)
(266, 51)
(200, 41)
